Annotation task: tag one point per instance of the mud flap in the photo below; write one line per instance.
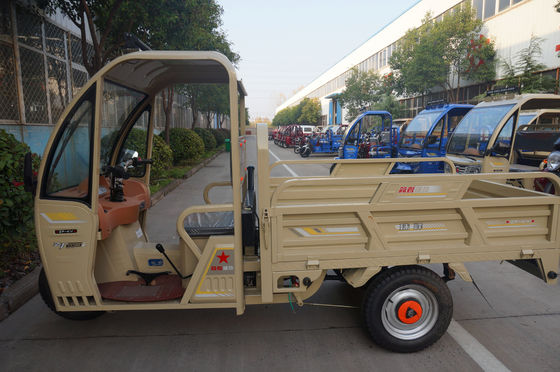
(545, 268)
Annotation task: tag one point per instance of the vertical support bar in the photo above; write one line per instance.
(338, 113)
(236, 186)
(243, 118)
(45, 62)
(557, 80)
(68, 68)
(263, 175)
(17, 66)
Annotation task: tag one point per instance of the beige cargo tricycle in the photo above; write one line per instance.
(274, 243)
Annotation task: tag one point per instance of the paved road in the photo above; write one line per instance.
(512, 323)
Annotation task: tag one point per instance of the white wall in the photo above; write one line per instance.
(510, 29)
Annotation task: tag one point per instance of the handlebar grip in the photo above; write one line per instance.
(137, 161)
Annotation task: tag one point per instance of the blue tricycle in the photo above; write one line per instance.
(372, 135)
(325, 142)
(426, 136)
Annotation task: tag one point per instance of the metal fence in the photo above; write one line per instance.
(41, 69)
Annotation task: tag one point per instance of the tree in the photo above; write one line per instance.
(105, 22)
(190, 25)
(162, 24)
(524, 72)
(388, 102)
(363, 89)
(310, 111)
(441, 54)
(417, 64)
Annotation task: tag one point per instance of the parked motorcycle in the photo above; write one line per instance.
(550, 164)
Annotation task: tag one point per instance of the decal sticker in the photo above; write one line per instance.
(308, 232)
(139, 233)
(506, 224)
(61, 245)
(220, 264)
(65, 231)
(433, 191)
(61, 217)
(155, 262)
(421, 227)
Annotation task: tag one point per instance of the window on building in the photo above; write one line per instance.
(503, 4)
(57, 87)
(489, 8)
(33, 80)
(477, 4)
(55, 40)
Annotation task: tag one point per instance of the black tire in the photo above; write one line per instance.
(407, 308)
(296, 149)
(46, 295)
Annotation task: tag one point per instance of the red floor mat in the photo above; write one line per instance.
(165, 287)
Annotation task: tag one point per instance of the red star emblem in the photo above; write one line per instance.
(223, 257)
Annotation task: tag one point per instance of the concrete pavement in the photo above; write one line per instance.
(517, 321)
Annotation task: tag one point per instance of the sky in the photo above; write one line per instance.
(285, 45)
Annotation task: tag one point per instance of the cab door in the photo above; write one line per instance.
(65, 215)
(499, 151)
(350, 149)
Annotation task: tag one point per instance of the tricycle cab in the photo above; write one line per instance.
(93, 195)
(484, 140)
(371, 135)
(427, 134)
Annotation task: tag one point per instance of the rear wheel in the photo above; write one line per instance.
(407, 308)
(46, 295)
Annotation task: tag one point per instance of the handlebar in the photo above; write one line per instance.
(138, 161)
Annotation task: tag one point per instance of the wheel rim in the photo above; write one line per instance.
(409, 312)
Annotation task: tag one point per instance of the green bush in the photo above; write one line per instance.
(17, 234)
(185, 144)
(225, 132)
(219, 136)
(207, 137)
(162, 157)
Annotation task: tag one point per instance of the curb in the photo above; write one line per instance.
(19, 293)
(173, 185)
(16, 295)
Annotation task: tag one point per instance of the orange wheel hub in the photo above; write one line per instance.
(409, 312)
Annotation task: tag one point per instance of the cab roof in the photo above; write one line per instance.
(151, 71)
(526, 101)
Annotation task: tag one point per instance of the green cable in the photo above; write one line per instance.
(290, 301)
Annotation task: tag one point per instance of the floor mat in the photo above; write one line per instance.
(163, 288)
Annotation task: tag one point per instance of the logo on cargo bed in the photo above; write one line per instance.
(308, 232)
(432, 191)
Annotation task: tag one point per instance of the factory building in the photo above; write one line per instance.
(509, 23)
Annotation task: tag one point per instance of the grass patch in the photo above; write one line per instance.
(157, 185)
